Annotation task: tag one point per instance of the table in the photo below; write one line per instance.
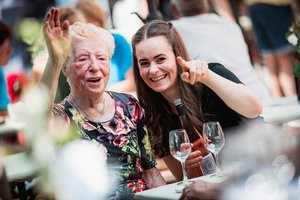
(282, 110)
(19, 168)
(9, 127)
(168, 192)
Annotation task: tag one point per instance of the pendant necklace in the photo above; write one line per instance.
(97, 122)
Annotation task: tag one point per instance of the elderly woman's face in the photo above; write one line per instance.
(88, 71)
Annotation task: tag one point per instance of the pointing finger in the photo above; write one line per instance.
(182, 63)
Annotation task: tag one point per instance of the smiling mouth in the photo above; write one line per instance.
(94, 80)
(158, 78)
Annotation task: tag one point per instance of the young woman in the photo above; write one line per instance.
(163, 72)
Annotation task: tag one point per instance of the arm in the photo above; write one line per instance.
(153, 178)
(125, 86)
(223, 8)
(123, 58)
(58, 44)
(3, 113)
(236, 96)
(151, 174)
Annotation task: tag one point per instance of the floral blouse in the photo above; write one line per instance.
(124, 137)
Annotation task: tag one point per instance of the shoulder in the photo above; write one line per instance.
(217, 67)
(2, 76)
(223, 71)
(129, 103)
(119, 38)
(125, 98)
(58, 109)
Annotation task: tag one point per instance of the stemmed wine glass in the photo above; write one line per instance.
(180, 149)
(214, 140)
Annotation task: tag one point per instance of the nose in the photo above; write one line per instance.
(93, 65)
(153, 69)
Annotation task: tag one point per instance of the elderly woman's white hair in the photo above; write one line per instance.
(87, 31)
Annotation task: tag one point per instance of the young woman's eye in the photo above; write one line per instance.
(160, 60)
(144, 64)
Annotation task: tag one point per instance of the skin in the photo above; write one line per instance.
(5, 52)
(87, 71)
(201, 190)
(88, 74)
(158, 69)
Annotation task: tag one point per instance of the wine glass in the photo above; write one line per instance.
(214, 140)
(180, 149)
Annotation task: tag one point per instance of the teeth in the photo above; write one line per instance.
(158, 77)
(94, 79)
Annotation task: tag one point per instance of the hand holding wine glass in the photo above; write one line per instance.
(214, 140)
(180, 149)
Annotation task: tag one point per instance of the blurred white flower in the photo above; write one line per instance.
(251, 146)
(80, 172)
(284, 169)
(292, 38)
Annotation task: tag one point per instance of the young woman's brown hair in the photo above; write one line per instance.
(158, 113)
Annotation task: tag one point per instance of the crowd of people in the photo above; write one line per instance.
(121, 96)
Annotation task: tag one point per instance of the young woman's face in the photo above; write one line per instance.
(157, 65)
(89, 70)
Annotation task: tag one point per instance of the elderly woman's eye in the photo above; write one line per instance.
(100, 58)
(82, 59)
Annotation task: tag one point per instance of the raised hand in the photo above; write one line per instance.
(56, 36)
(193, 71)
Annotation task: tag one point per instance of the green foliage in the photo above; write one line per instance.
(29, 30)
(70, 135)
(296, 70)
(293, 36)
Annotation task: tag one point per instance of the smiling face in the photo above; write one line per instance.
(157, 65)
(88, 70)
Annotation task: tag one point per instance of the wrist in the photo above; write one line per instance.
(56, 63)
(207, 79)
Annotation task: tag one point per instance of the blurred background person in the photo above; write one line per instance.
(213, 38)
(5, 52)
(17, 84)
(271, 20)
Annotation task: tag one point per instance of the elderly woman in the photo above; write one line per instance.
(83, 52)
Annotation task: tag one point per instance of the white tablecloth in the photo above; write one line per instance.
(9, 127)
(282, 110)
(168, 192)
(19, 167)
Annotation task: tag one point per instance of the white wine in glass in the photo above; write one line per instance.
(214, 140)
(180, 149)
